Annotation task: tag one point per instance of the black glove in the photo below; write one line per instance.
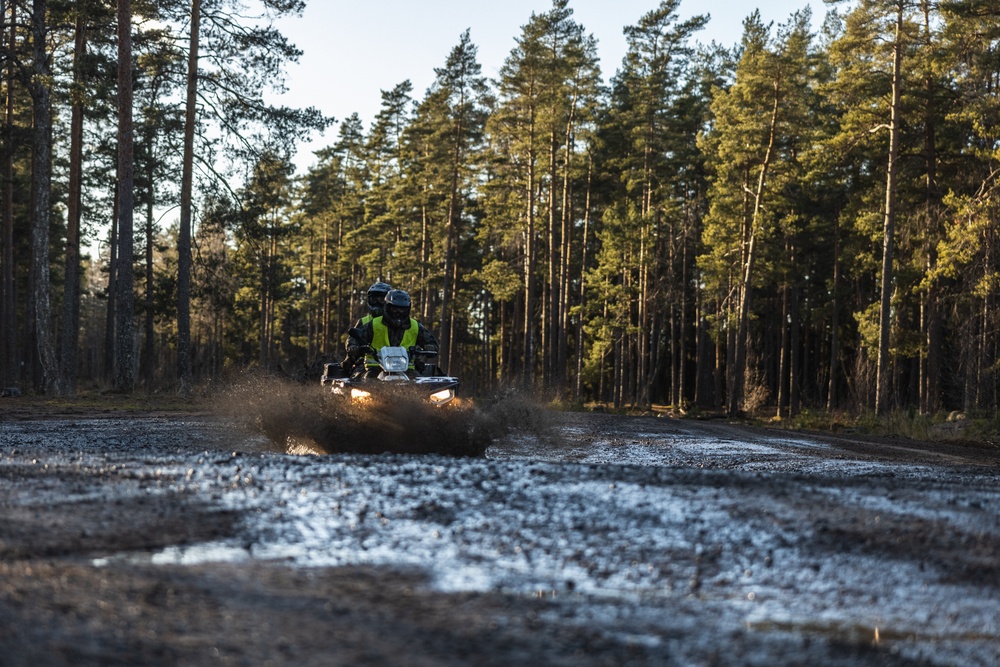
(355, 351)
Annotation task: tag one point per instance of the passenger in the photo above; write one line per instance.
(375, 300)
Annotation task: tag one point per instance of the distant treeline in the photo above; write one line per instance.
(799, 221)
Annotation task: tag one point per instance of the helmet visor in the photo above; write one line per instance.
(397, 316)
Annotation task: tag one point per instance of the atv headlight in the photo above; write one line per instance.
(443, 396)
(395, 364)
(359, 394)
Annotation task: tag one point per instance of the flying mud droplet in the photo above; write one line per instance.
(308, 419)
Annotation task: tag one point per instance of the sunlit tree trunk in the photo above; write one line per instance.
(325, 295)
(743, 312)
(125, 329)
(684, 303)
(783, 354)
(425, 258)
(184, 374)
(8, 307)
(831, 396)
(529, 263)
(452, 236)
(882, 379)
(41, 95)
(110, 317)
(550, 286)
(795, 346)
(147, 364)
(583, 278)
(566, 238)
(71, 290)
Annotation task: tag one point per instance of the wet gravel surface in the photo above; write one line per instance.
(603, 540)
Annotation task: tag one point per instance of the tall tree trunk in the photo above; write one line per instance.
(682, 353)
(566, 236)
(10, 360)
(42, 177)
(928, 391)
(327, 346)
(795, 348)
(783, 354)
(583, 279)
(341, 326)
(125, 328)
(642, 360)
(425, 258)
(550, 321)
(831, 396)
(717, 377)
(71, 290)
(674, 314)
(529, 265)
(742, 332)
(147, 363)
(882, 384)
(452, 235)
(184, 374)
(110, 317)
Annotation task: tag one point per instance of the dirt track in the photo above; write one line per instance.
(604, 540)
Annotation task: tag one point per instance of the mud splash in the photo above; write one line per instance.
(307, 419)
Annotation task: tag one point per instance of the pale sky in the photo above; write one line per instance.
(354, 49)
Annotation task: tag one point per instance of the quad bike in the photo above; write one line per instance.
(393, 374)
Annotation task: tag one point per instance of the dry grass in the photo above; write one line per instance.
(98, 404)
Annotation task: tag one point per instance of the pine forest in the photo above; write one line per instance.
(808, 220)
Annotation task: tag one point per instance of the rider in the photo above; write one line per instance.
(393, 327)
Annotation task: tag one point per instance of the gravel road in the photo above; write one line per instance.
(577, 539)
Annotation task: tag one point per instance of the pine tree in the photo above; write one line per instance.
(264, 235)
(381, 231)
(159, 128)
(875, 88)
(653, 118)
(333, 197)
(544, 83)
(967, 264)
(442, 145)
(244, 58)
(758, 131)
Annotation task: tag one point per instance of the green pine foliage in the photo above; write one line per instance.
(695, 226)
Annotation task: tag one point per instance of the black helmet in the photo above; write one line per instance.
(397, 309)
(376, 297)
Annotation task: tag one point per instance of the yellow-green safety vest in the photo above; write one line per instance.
(369, 359)
(380, 337)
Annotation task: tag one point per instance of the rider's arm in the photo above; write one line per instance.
(358, 345)
(425, 339)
